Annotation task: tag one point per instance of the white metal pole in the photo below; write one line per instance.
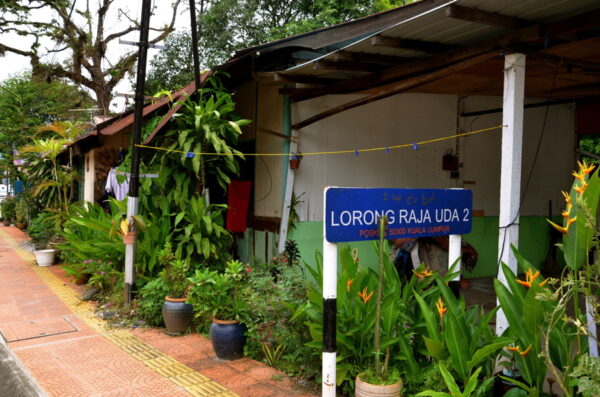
(287, 200)
(510, 174)
(329, 309)
(454, 253)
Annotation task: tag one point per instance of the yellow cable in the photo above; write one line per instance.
(331, 152)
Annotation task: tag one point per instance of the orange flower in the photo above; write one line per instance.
(544, 282)
(423, 273)
(581, 188)
(349, 284)
(571, 220)
(517, 349)
(530, 277)
(584, 168)
(561, 229)
(579, 176)
(364, 296)
(525, 352)
(567, 197)
(440, 307)
(565, 214)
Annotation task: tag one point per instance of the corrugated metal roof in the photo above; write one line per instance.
(435, 26)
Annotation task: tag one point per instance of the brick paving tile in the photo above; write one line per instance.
(84, 363)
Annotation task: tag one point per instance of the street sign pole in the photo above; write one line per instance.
(329, 309)
(352, 214)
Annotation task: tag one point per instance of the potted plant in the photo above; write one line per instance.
(176, 313)
(379, 380)
(8, 210)
(21, 213)
(42, 230)
(221, 295)
(295, 161)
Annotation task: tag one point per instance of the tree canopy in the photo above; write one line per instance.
(81, 31)
(226, 26)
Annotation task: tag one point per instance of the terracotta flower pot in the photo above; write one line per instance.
(129, 238)
(294, 164)
(363, 389)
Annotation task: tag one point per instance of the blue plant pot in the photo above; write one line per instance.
(228, 339)
(177, 315)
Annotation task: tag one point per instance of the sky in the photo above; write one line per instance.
(12, 63)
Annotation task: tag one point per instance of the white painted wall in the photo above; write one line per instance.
(89, 175)
(408, 118)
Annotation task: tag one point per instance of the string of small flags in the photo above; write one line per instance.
(356, 152)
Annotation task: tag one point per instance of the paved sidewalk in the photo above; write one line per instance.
(70, 352)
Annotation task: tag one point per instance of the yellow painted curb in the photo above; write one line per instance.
(183, 376)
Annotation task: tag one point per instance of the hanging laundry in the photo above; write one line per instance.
(113, 186)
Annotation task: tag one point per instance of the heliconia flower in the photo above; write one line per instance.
(561, 229)
(530, 276)
(513, 349)
(544, 282)
(349, 284)
(565, 214)
(579, 176)
(581, 188)
(567, 197)
(584, 168)
(364, 296)
(571, 220)
(525, 352)
(440, 307)
(423, 273)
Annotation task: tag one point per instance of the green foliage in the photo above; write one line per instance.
(26, 104)
(9, 206)
(175, 272)
(590, 144)
(150, 301)
(220, 295)
(21, 210)
(471, 386)
(172, 67)
(272, 355)
(586, 376)
(90, 233)
(42, 229)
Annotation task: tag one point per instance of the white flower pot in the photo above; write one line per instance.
(44, 257)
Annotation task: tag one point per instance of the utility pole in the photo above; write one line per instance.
(195, 40)
(134, 183)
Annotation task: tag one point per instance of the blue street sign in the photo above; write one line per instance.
(352, 214)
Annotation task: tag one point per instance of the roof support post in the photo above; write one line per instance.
(288, 177)
(510, 172)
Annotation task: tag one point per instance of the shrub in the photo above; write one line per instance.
(150, 301)
(41, 230)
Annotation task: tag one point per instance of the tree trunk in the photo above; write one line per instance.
(103, 98)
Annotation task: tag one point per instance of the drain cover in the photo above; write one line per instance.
(32, 329)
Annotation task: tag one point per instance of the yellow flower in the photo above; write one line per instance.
(349, 284)
(423, 273)
(440, 307)
(565, 214)
(571, 220)
(579, 176)
(567, 197)
(364, 296)
(584, 168)
(561, 229)
(530, 277)
(544, 282)
(581, 188)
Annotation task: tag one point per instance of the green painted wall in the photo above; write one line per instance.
(534, 242)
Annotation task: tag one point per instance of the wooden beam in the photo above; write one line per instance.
(398, 88)
(528, 35)
(347, 65)
(369, 58)
(485, 17)
(430, 47)
(564, 62)
(304, 79)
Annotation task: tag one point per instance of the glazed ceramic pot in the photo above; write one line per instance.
(45, 257)
(363, 389)
(177, 315)
(228, 339)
